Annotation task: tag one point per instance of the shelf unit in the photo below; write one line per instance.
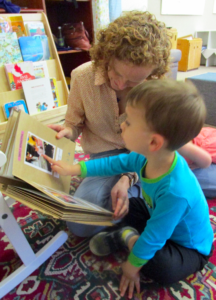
(55, 70)
(60, 12)
(208, 37)
(27, 6)
(191, 52)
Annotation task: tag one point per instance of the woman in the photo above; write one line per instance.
(133, 48)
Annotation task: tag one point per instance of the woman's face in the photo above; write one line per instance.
(124, 75)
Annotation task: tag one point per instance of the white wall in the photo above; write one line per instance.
(186, 24)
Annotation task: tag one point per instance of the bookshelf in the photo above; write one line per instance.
(208, 57)
(27, 6)
(60, 12)
(55, 70)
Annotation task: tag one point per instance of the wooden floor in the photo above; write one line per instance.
(200, 70)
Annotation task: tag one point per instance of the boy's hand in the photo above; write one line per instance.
(120, 201)
(63, 168)
(129, 279)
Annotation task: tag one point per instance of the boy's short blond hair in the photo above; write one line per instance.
(174, 109)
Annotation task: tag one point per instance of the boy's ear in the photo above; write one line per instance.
(157, 142)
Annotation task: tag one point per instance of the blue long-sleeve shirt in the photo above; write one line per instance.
(176, 204)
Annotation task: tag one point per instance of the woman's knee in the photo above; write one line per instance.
(97, 190)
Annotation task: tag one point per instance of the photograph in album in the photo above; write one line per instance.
(35, 148)
(28, 178)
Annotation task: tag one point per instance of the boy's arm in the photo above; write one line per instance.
(107, 166)
(199, 157)
(63, 168)
(113, 165)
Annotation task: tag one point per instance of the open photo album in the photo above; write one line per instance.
(28, 178)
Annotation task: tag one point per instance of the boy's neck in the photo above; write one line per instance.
(159, 164)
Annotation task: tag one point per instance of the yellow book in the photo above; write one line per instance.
(17, 25)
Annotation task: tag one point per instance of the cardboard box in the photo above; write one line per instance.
(191, 52)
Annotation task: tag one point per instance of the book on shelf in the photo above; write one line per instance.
(38, 95)
(34, 48)
(19, 72)
(40, 69)
(55, 92)
(28, 178)
(17, 25)
(35, 28)
(18, 105)
(5, 24)
(9, 48)
(45, 45)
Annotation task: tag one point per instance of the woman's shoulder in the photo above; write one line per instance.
(85, 69)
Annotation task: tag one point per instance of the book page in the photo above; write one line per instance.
(67, 199)
(52, 208)
(32, 140)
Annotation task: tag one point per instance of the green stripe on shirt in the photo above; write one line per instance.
(136, 261)
(83, 169)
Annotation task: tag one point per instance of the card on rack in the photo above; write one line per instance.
(19, 72)
(38, 95)
(34, 48)
(8, 108)
(17, 25)
(9, 48)
(55, 92)
(35, 28)
(40, 69)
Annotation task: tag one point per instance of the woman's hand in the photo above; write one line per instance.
(63, 168)
(129, 280)
(62, 131)
(120, 201)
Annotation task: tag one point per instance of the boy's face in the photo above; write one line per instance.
(135, 133)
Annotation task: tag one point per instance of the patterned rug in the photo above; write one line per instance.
(73, 272)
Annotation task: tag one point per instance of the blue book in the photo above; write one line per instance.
(45, 45)
(34, 48)
(8, 108)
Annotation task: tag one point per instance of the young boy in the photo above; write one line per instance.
(169, 235)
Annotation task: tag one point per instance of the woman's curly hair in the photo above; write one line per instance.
(136, 37)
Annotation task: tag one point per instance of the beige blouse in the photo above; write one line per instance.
(93, 110)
